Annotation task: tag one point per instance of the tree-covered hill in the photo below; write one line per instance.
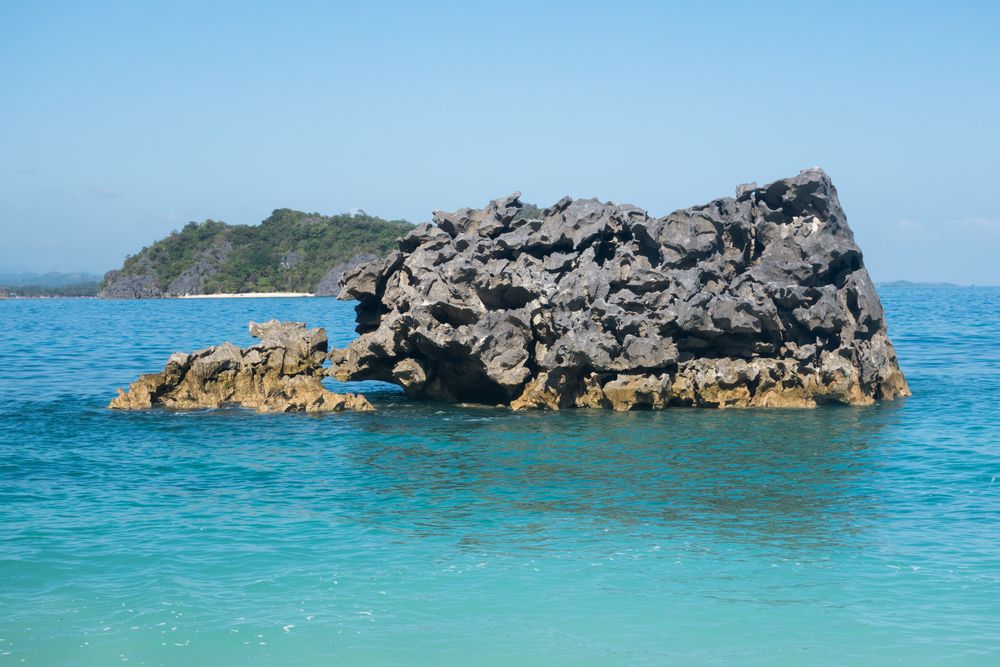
(290, 251)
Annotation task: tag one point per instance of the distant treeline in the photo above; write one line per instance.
(80, 289)
(50, 279)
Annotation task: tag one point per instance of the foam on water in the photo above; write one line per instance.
(430, 534)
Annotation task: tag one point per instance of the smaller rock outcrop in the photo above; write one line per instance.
(281, 373)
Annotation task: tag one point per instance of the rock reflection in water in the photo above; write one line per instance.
(790, 477)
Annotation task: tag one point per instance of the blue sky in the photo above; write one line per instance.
(122, 121)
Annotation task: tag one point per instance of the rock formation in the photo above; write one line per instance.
(329, 284)
(757, 300)
(282, 373)
(140, 284)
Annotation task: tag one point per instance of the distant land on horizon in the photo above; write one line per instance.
(27, 284)
(196, 257)
(46, 279)
(921, 283)
(64, 285)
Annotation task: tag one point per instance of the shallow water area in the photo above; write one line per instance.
(431, 534)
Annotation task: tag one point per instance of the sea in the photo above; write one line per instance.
(431, 534)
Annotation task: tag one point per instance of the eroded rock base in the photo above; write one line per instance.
(717, 383)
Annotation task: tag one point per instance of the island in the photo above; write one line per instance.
(289, 252)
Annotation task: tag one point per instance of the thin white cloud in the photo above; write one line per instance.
(103, 193)
(981, 224)
(972, 227)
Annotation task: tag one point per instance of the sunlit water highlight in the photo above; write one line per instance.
(424, 534)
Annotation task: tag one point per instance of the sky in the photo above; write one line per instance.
(120, 122)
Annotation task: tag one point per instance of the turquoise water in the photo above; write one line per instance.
(424, 534)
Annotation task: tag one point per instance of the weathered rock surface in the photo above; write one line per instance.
(761, 299)
(192, 279)
(282, 373)
(142, 282)
(329, 284)
(140, 285)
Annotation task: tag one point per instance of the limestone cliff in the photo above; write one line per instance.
(761, 299)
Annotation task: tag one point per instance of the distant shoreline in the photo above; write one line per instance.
(8, 293)
(240, 295)
(245, 295)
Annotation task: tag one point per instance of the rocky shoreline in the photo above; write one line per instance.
(119, 285)
(247, 295)
(757, 300)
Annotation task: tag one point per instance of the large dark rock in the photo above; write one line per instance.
(757, 300)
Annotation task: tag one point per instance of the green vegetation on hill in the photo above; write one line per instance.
(290, 251)
(168, 257)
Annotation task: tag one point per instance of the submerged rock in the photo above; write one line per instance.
(281, 373)
(757, 300)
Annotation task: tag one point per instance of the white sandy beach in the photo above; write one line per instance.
(246, 295)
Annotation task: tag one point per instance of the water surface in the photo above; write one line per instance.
(424, 534)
